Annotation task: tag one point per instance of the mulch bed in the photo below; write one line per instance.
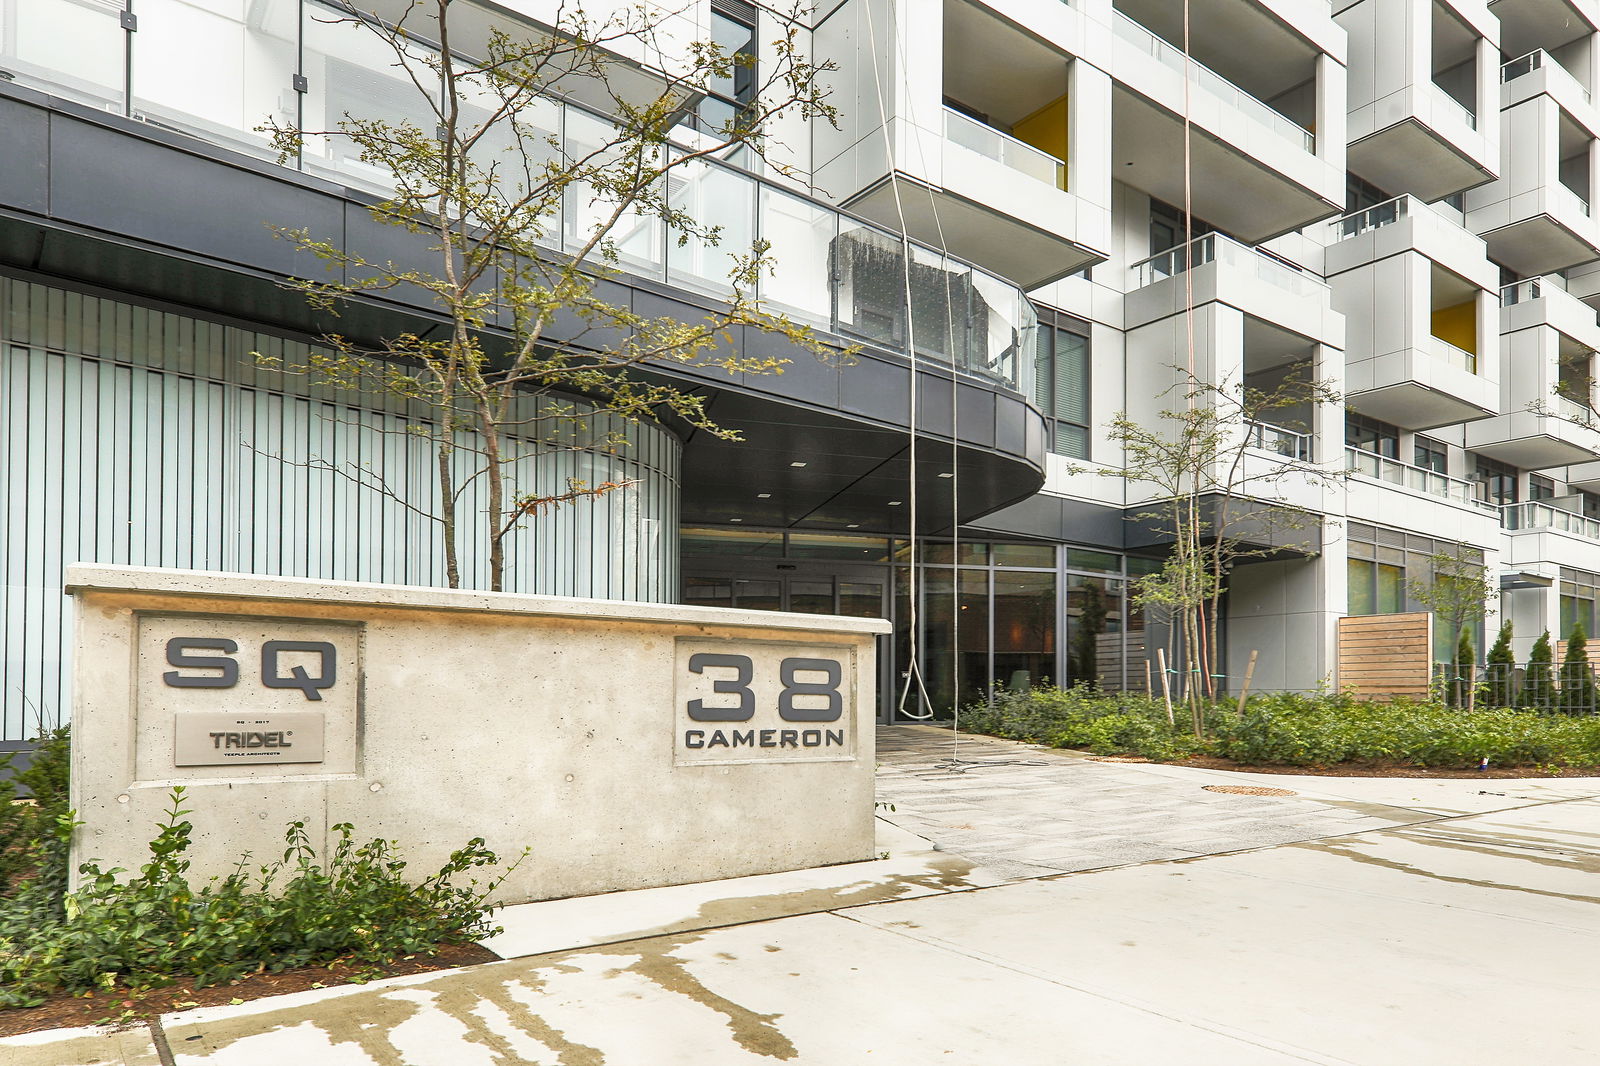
(131, 1007)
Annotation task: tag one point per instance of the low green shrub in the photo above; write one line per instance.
(1106, 724)
(35, 833)
(155, 928)
(1296, 729)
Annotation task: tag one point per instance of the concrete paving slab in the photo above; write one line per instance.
(816, 989)
(89, 1046)
(1428, 955)
(912, 869)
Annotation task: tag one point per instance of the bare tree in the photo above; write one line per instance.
(1218, 499)
(523, 215)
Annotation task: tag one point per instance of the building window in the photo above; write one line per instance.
(1540, 487)
(733, 29)
(1579, 590)
(1360, 195)
(1429, 454)
(1590, 504)
(1497, 482)
(1370, 435)
(1166, 226)
(1061, 382)
(1386, 564)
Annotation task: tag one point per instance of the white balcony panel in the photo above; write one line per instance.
(1543, 302)
(1405, 224)
(1422, 387)
(1532, 440)
(1537, 74)
(1257, 173)
(999, 208)
(1526, 549)
(1382, 501)
(1531, 221)
(1241, 277)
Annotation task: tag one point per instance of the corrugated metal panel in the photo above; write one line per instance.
(145, 438)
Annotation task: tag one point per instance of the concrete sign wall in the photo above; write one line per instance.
(628, 744)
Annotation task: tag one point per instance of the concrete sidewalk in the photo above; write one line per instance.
(1368, 921)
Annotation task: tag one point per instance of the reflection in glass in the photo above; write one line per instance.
(637, 240)
(861, 599)
(1094, 632)
(1034, 555)
(1024, 628)
(712, 196)
(843, 546)
(707, 592)
(353, 72)
(243, 54)
(801, 234)
(972, 635)
(938, 653)
(711, 541)
(811, 597)
(72, 48)
(752, 595)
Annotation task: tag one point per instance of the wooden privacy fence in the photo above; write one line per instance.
(1386, 655)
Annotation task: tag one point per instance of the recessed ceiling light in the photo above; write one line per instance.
(763, 495)
(853, 525)
(894, 503)
(736, 520)
(947, 475)
(797, 464)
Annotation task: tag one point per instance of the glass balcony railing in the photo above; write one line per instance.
(1522, 292)
(1004, 149)
(1576, 411)
(1531, 515)
(1375, 217)
(1416, 478)
(1573, 200)
(1538, 59)
(1212, 82)
(1452, 104)
(830, 270)
(1263, 436)
(1446, 352)
(1214, 247)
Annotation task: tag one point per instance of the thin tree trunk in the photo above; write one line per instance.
(447, 512)
(494, 469)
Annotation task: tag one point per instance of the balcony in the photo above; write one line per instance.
(1413, 286)
(829, 270)
(1257, 283)
(1209, 81)
(991, 178)
(1548, 338)
(1259, 170)
(1407, 132)
(1534, 517)
(1414, 478)
(1265, 437)
(1404, 224)
(1538, 73)
(966, 132)
(1537, 219)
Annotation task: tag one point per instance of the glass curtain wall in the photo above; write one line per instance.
(220, 70)
(988, 614)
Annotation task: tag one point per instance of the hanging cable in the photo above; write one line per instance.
(913, 657)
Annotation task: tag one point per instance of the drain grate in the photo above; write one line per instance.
(1248, 790)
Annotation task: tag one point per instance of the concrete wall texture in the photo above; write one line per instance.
(627, 745)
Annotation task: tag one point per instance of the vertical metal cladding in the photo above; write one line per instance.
(134, 436)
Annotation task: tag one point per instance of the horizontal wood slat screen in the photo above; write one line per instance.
(1385, 655)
